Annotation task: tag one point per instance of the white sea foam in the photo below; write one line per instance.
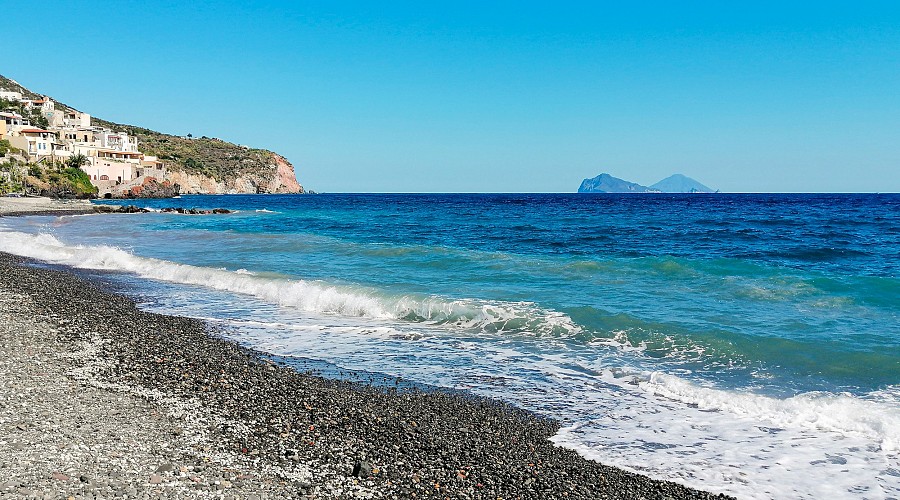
(744, 445)
(310, 296)
(841, 413)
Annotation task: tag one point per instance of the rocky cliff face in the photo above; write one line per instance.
(277, 177)
(285, 180)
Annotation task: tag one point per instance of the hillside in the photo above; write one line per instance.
(202, 165)
(14, 86)
(208, 161)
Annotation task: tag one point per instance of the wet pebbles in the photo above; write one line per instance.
(283, 433)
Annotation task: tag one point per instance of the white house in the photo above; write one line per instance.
(116, 141)
(39, 143)
(10, 95)
(45, 105)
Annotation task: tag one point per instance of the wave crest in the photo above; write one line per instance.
(309, 296)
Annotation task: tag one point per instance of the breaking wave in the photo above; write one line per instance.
(306, 295)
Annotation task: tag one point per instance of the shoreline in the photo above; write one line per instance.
(14, 207)
(305, 435)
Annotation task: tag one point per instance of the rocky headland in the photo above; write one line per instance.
(193, 165)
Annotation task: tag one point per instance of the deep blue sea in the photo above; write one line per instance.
(747, 344)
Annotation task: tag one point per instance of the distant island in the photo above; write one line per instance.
(52, 149)
(677, 183)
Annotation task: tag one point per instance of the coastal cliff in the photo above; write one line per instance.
(276, 177)
(192, 165)
(207, 165)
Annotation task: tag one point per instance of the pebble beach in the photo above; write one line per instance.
(10, 206)
(103, 400)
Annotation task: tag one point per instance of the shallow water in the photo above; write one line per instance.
(740, 343)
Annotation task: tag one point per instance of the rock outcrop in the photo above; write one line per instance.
(149, 187)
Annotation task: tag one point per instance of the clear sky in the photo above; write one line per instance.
(494, 96)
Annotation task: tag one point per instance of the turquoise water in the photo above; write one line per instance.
(759, 333)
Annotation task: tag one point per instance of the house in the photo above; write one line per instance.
(10, 95)
(109, 169)
(45, 105)
(118, 141)
(47, 108)
(133, 157)
(39, 143)
(78, 135)
(75, 119)
(14, 119)
(10, 122)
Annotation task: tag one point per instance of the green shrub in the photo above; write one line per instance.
(80, 180)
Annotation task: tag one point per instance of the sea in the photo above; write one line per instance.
(739, 343)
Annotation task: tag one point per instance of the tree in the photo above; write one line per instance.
(77, 161)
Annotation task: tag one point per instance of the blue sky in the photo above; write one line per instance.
(496, 97)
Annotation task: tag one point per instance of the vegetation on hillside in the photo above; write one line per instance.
(204, 155)
(12, 169)
(59, 180)
(12, 86)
